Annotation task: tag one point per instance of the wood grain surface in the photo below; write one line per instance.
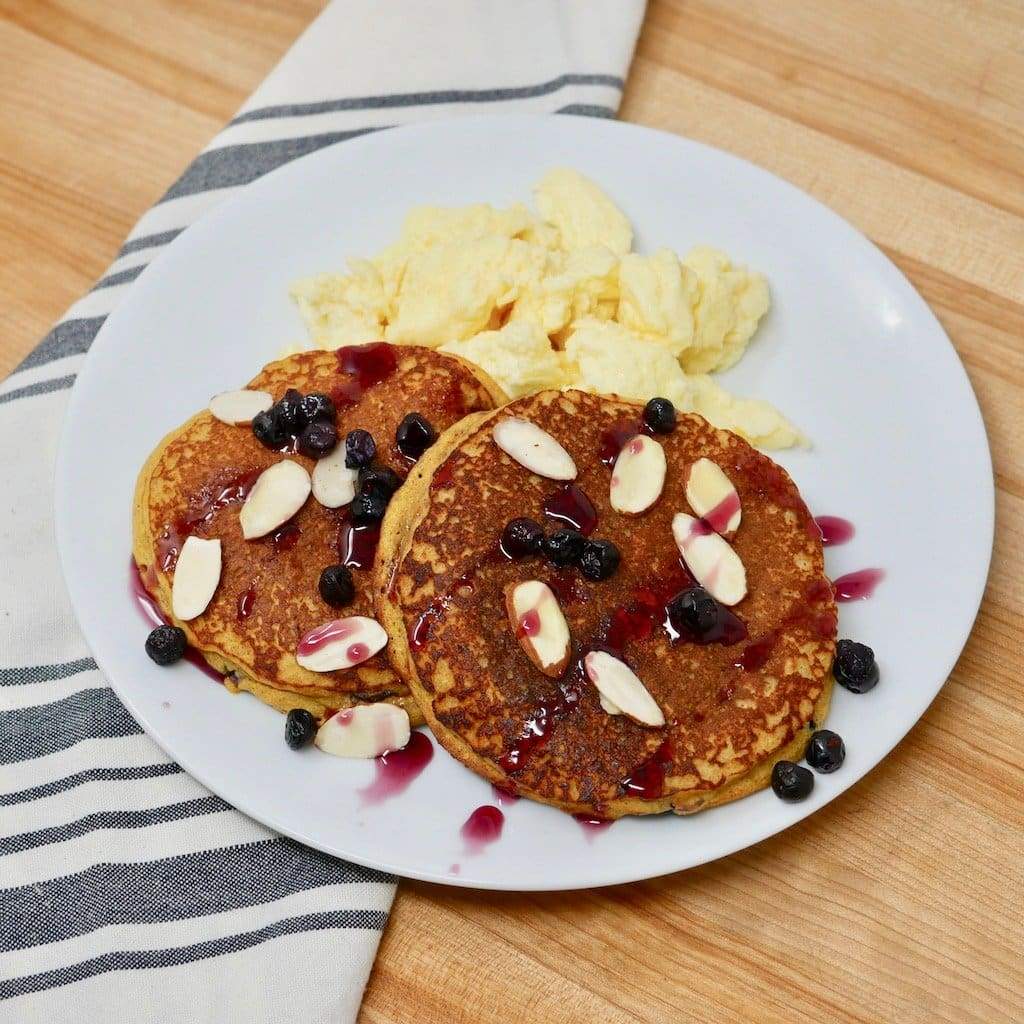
(902, 900)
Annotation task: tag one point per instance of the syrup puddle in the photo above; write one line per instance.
(397, 769)
(834, 530)
(592, 827)
(482, 828)
(857, 586)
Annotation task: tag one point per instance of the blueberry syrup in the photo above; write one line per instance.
(285, 537)
(592, 826)
(856, 586)
(246, 601)
(365, 365)
(614, 439)
(567, 587)
(833, 530)
(482, 828)
(398, 768)
(443, 476)
(718, 518)
(647, 780)
(570, 505)
(755, 655)
(421, 632)
(821, 625)
(328, 633)
(529, 623)
(357, 545)
(504, 796)
(151, 612)
(455, 869)
(200, 511)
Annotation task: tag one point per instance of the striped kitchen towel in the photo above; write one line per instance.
(127, 891)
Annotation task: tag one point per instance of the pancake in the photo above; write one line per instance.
(267, 598)
(441, 580)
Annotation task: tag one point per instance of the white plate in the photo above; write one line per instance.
(849, 351)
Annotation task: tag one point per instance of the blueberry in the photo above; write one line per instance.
(336, 587)
(269, 430)
(599, 560)
(522, 537)
(318, 439)
(299, 728)
(290, 411)
(360, 448)
(660, 415)
(380, 479)
(564, 547)
(368, 507)
(826, 751)
(694, 611)
(855, 666)
(166, 644)
(791, 782)
(318, 406)
(414, 436)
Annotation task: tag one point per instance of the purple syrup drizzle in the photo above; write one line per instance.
(482, 828)
(398, 768)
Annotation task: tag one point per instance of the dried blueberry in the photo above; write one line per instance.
(855, 666)
(318, 439)
(336, 586)
(791, 782)
(269, 430)
(694, 611)
(826, 751)
(380, 479)
(291, 412)
(368, 507)
(660, 415)
(564, 547)
(414, 436)
(522, 537)
(360, 448)
(299, 728)
(166, 644)
(599, 560)
(318, 406)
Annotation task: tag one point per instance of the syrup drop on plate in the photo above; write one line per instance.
(398, 768)
(857, 586)
(591, 826)
(833, 530)
(504, 796)
(151, 612)
(482, 828)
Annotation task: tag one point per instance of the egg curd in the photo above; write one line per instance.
(557, 299)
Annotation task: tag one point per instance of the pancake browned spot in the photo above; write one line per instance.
(268, 597)
(441, 597)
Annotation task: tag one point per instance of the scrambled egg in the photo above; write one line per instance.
(557, 299)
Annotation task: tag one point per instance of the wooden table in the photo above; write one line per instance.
(902, 900)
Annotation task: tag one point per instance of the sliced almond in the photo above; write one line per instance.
(365, 731)
(712, 496)
(238, 407)
(340, 644)
(621, 689)
(638, 475)
(334, 484)
(196, 576)
(534, 448)
(276, 496)
(714, 564)
(539, 625)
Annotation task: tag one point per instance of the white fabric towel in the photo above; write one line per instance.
(127, 891)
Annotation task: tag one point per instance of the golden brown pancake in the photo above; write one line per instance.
(732, 709)
(196, 479)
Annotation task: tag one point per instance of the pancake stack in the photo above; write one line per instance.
(664, 660)
(197, 478)
(731, 707)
